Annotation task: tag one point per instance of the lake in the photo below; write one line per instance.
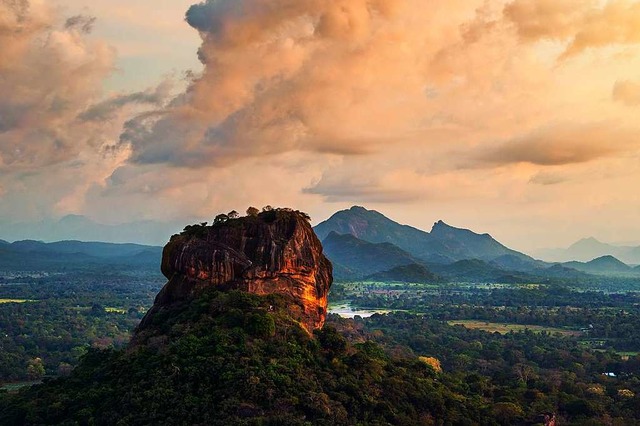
(346, 311)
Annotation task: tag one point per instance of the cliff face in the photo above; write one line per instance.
(274, 252)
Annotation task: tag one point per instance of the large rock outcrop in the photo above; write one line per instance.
(273, 252)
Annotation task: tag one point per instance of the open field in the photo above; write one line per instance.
(502, 328)
(2, 301)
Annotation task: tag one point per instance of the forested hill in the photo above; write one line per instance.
(236, 358)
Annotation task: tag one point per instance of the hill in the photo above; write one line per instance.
(413, 273)
(605, 265)
(356, 258)
(232, 358)
(476, 270)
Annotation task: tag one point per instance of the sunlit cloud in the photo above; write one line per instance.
(465, 107)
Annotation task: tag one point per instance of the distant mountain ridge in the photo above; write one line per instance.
(366, 244)
(590, 248)
(76, 227)
(444, 244)
(30, 254)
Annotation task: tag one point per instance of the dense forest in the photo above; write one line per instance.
(47, 321)
(234, 358)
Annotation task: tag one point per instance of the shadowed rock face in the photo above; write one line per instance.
(275, 252)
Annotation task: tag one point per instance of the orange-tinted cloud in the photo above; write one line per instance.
(47, 76)
(583, 23)
(564, 144)
(627, 92)
(323, 103)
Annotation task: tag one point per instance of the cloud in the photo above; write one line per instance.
(583, 24)
(332, 77)
(109, 108)
(563, 145)
(48, 75)
(355, 77)
(547, 179)
(81, 23)
(320, 104)
(350, 188)
(627, 92)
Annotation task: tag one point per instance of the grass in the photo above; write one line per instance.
(502, 328)
(2, 301)
(116, 310)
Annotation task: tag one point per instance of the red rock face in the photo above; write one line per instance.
(277, 252)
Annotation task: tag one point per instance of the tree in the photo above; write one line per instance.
(432, 362)
(35, 369)
(221, 218)
(267, 208)
(233, 214)
(252, 211)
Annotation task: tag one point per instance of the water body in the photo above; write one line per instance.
(346, 311)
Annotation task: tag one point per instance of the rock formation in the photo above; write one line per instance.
(273, 252)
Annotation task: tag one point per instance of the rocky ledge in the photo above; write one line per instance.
(275, 251)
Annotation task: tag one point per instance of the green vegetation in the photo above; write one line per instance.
(502, 328)
(233, 358)
(66, 316)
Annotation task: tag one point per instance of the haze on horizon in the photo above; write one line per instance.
(517, 117)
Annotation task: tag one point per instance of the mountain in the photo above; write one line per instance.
(37, 255)
(466, 244)
(605, 265)
(413, 273)
(95, 249)
(371, 226)
(590, 248)
(444, 244)
(356, 258)
(76, 227)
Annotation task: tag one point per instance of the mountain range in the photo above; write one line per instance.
(36, 255)
(591, 248)
(76, 227)
(364, 243)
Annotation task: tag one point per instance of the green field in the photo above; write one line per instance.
(493, 327)
(15, 301)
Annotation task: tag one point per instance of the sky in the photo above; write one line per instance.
(517, 117)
